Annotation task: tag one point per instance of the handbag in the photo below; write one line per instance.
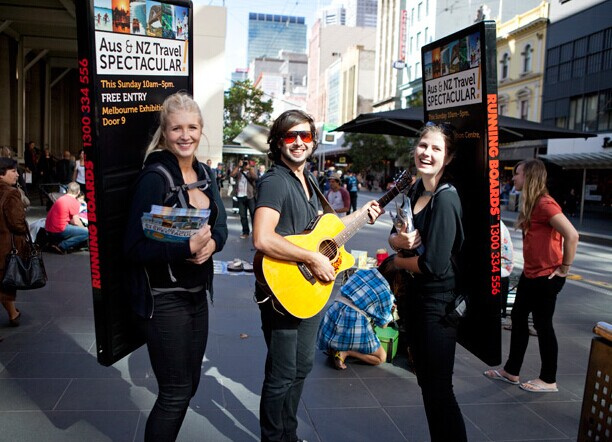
(24, 273)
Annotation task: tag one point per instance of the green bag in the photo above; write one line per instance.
(388, 337)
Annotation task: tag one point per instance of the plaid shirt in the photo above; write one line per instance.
(344, 328)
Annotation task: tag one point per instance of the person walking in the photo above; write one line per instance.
(170, 281)
(78, 175)
(352, 185)
(549, 247)
(13, 228)
(245, 177)
(437, 217)
(286, 204)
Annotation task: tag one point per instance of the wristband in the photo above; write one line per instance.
(567, 265)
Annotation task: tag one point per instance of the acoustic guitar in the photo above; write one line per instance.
(292, 283)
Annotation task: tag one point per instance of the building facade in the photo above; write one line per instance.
(578, 95)
(270, 33)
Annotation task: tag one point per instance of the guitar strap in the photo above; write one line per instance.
(327, 208)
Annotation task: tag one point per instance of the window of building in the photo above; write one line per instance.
(417, 70)
(578, 67)
(502, 109)
(418, 42)
(565, 71)
(605, 110)
(505, 65)
(552, 74)
(561, 122)
(411, 44)
(527, 58)
(524, 109)
(575, 116)
(412, 17)
(419, 11)
(426, 7)
(590, 112)
(409, 73)
(426, 32)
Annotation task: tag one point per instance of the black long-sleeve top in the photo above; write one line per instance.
(166, 262)
(441, 230)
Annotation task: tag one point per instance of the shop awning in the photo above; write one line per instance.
(587, 160)
(240, 150)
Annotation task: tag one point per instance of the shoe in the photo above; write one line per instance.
(247, 267)
(235, 266)
(497, 376)
(532, 331)
(244, 236)
(537, 386)
(56, 249)
(506, 322)
(338, 361)
(15, 321)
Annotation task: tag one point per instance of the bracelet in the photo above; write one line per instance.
(564, 264)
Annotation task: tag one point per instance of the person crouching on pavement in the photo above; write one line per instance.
(366, 300)
(63, 224)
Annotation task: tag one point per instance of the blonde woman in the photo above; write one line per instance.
(172, 302)
(549, 248)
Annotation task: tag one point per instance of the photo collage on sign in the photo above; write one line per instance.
(142, 17)
(453, 57)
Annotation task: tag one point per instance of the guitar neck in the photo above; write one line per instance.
(361, 220)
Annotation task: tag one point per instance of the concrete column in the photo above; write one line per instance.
(209, 33)
(20, 99)
(6, 116)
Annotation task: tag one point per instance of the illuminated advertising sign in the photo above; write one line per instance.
(132, 55)
(460, 88)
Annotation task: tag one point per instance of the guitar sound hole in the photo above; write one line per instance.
(328, 248)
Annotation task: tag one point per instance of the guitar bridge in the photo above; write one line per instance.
(306, 273)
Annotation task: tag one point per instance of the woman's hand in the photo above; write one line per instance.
(405, 240)
(562, 271)
(202, 245)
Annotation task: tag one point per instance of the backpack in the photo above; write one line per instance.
(173, 190)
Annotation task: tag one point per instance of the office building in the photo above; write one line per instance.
(270, 33)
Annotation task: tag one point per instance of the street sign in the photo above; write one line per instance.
(132, 55)
(460, 88)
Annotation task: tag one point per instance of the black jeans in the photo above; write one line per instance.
(505, 288)
(353, 196)
(176, 338)
(244, 204)
(432, 344)
(291, 349)
(538, 296)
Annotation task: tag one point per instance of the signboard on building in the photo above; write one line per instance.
(132, 55)
(460, 88)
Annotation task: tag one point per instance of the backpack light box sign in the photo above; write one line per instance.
(132, 55)
(460, 88)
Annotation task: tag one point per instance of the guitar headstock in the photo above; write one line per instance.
(403, 181)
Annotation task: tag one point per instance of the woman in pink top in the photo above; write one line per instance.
(549, 247)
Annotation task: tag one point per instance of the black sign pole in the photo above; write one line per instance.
(460, 88)
(132, 55)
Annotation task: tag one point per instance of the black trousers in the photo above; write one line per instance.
(176, 338)
(432, 344)
(538, 296)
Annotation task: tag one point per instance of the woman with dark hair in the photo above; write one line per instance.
(549, 247)
(431, 289)
(171, 280)
(13, 227)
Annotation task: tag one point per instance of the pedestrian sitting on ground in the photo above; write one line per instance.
(64, 227)
(365, 300)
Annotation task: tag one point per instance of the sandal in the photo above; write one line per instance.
(15, 321)
(497, 376)
(339, 361)
(538, 386)
(235, 266)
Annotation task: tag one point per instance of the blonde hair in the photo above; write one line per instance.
(534, 187)
(178, 102)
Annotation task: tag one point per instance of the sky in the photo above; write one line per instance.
(238, 22)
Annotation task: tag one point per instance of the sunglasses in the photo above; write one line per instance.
(291, 136)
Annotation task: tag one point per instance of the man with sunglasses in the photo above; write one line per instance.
(286, 204)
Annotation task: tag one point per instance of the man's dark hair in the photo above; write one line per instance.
(282, 124)
(7, 164)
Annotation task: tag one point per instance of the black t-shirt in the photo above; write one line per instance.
(281, 190)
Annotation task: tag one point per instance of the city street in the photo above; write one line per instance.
(53, 389)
